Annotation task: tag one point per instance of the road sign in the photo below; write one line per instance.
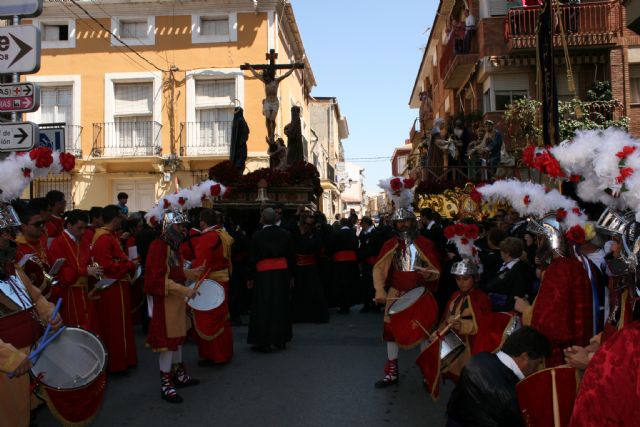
(18, 136)
(19, 49)
(52, 137)
(19, 97)
(10, 8)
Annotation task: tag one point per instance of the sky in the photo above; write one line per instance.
(367, 55)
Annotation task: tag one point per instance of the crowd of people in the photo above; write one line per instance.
(112, 269)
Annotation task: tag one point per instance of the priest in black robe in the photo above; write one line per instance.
(343, 250)
(295, 149)
(271, 263)
(309, 302)
(486, 393)
(371, 241)
(239, 137)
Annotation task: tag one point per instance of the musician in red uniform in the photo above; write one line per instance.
(32, 240)
(55, 224)
(394, 269)
(212, 251)
(23, 310)
(95, 222)
(164, 282)
(77, 309)
(114, 305)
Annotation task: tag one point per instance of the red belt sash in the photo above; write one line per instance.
(269, 264)
(342, 256)
(20, 329)
(370, 260)
(405, 280)
(303, 260)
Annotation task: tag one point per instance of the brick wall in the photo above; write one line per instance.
(491, 37)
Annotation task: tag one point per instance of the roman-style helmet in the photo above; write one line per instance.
(400, 194)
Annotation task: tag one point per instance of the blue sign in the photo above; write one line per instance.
(52, 138)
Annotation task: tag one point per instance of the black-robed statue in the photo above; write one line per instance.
(239, 137)
(293, 130)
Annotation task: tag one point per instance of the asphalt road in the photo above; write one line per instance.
(325, 377)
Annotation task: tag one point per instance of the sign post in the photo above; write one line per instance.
(21, 97)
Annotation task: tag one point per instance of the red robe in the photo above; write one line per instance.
(32, 269)
(562, 308)
(213, 328)
(77, 309)
(187, 249)
(54, 227)
(610, 389)
(114, 305)
(163, 282)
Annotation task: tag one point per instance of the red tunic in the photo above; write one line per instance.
(77, 309)
(480, 306)
(562, 308)
(31, 268)
(158, 271)
(187, 248)
(114, 305)
(54, 227)
(610, 389)
(213, 328)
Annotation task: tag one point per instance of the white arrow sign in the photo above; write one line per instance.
(19, 49)
(18, 136)
(10, 8)
(19, 97)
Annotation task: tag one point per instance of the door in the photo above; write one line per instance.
(141, 194)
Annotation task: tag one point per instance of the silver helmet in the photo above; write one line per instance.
(549, 227)
(612, 222)
(465, 267)
(401, 214)
(8, 217)
(173, 217)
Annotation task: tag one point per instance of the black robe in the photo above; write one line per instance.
(239, 137)
(309, 301)
(370, 246)
(270, 320)
(485, 395)
(346, 274)
(295, 150)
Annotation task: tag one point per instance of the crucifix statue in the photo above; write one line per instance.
(270, 104)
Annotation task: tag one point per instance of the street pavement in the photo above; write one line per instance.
(325, 377)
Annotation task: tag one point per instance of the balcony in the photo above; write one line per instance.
(585, 24)
(72, 137)
(126, 139)
(456, 66)
(205, 138)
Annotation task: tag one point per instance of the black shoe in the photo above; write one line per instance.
(173, 398)
(386, 382)
(261, 348)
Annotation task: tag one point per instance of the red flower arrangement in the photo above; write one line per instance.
(26, 172)
(182, 201)
(561, 214)
(409, 183)
(475, 194)
(67, 161)
(526, 200)
(41, 156)
(215, 190)
(577, 211)
(153, 221)
(627, 150)
(465, 231)
(166, 204)
(542, 161)
(624, 174)
(575, 178)
(576, 235)
(396, 184)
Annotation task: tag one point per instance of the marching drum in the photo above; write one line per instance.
(210, 295)
(450, 348)
(71, 375)
(410, 313)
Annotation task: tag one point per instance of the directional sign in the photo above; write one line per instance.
(18, 136)
(19, 97)
(10, 8)
(19, 49)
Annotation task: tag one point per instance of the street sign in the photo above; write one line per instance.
(18, 136)
(19, 49)
(10, 8)
(52, 137)
(19, 97)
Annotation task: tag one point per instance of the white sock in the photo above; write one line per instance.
(164, 358)
(177, 355)
(392, 350)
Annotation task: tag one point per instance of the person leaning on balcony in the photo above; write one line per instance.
(494, 145)
(476, 151)
(469, 30)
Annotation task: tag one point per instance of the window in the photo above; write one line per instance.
(134, 31)
(486, 101)
(634, 76)
(214, 29)
(211, 134)
(506, 97)
(57, 34)
(402, 164)
(56, 104)
(133, 127)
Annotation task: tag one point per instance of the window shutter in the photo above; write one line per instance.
(511, 82)
(214, 26)
(212, 92)
(134, 98)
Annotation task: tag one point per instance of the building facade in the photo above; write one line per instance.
(328, 128)
(351, 182)
(146, 89)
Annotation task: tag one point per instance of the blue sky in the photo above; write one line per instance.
(367, 54)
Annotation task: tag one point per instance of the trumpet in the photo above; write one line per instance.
(47, 277)
(96, 265)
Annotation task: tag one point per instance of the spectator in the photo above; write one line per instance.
(494, 145)
(122, 203)
(469, 30)
(513, 278)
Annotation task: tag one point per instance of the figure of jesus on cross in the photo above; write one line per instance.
(271, 104)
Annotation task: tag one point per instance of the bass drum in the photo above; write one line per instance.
(70, 375)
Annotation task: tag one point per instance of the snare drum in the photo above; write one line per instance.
(409, 314)
(71, 375)
(210, 295)
(451, 348)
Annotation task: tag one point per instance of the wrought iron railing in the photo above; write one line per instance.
(205, 138)
(126, 139)
(72, 137)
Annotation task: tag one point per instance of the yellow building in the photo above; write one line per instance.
(146, 89)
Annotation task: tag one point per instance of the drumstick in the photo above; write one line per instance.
(423, 328)
(34, 355)
(53, 316)
(199, 282)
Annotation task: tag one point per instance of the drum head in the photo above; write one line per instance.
(406, 300)
(210, 296)
(452, 347)
(75, 359)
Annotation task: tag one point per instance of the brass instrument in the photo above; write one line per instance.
(47, 277)
(96, 265)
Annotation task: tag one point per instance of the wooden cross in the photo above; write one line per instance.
(271, 57)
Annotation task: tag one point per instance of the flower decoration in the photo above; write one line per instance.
(542, 160)
(526, 200)
(576, 234)
(67, 161)
(166, 204)
(561, 214)
(464, 237)
(409, 183)
(396, 184)
(42, 157)
(626, 151)
(182, 201)
(624, 174)
(215, 190)
(26, 172)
